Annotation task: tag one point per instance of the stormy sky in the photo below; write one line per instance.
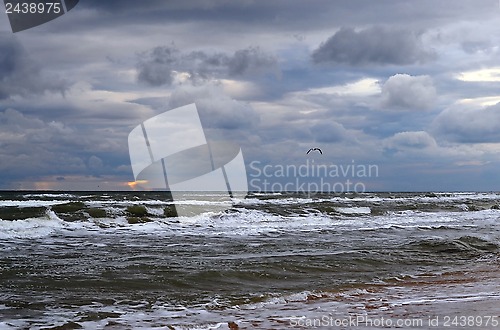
(410, 86)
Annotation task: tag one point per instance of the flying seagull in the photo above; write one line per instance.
(314, 149)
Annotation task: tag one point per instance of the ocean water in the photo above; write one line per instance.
(122, 260)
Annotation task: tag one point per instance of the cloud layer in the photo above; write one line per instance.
(410, 86)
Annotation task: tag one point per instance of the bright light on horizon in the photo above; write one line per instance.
(486, 75)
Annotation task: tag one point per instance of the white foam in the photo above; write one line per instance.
(440, 197)
(128, 202)
(30, 228)
(31, 203)
(243, 222)
(266, 194)
(50, 195)
(354, 210)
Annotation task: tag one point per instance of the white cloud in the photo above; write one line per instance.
(411, 140)
(480, 102)
(468, 124)
(403, 91)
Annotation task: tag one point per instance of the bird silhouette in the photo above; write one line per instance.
(314, 149)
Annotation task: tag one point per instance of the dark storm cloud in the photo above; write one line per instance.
(31, 145)
(295, 16)
(158, 65)
(248, 60)
(220, 11)
(133, 5)
(19, 74)
(156, 69)
(375, 45)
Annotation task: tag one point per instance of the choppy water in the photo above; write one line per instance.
(122, 261)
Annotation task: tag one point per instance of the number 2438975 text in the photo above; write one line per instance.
(33, 8)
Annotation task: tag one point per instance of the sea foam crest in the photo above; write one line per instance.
(32, 227)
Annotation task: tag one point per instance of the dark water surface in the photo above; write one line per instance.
(122, 261)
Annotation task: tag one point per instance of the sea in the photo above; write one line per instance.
(124, 260)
